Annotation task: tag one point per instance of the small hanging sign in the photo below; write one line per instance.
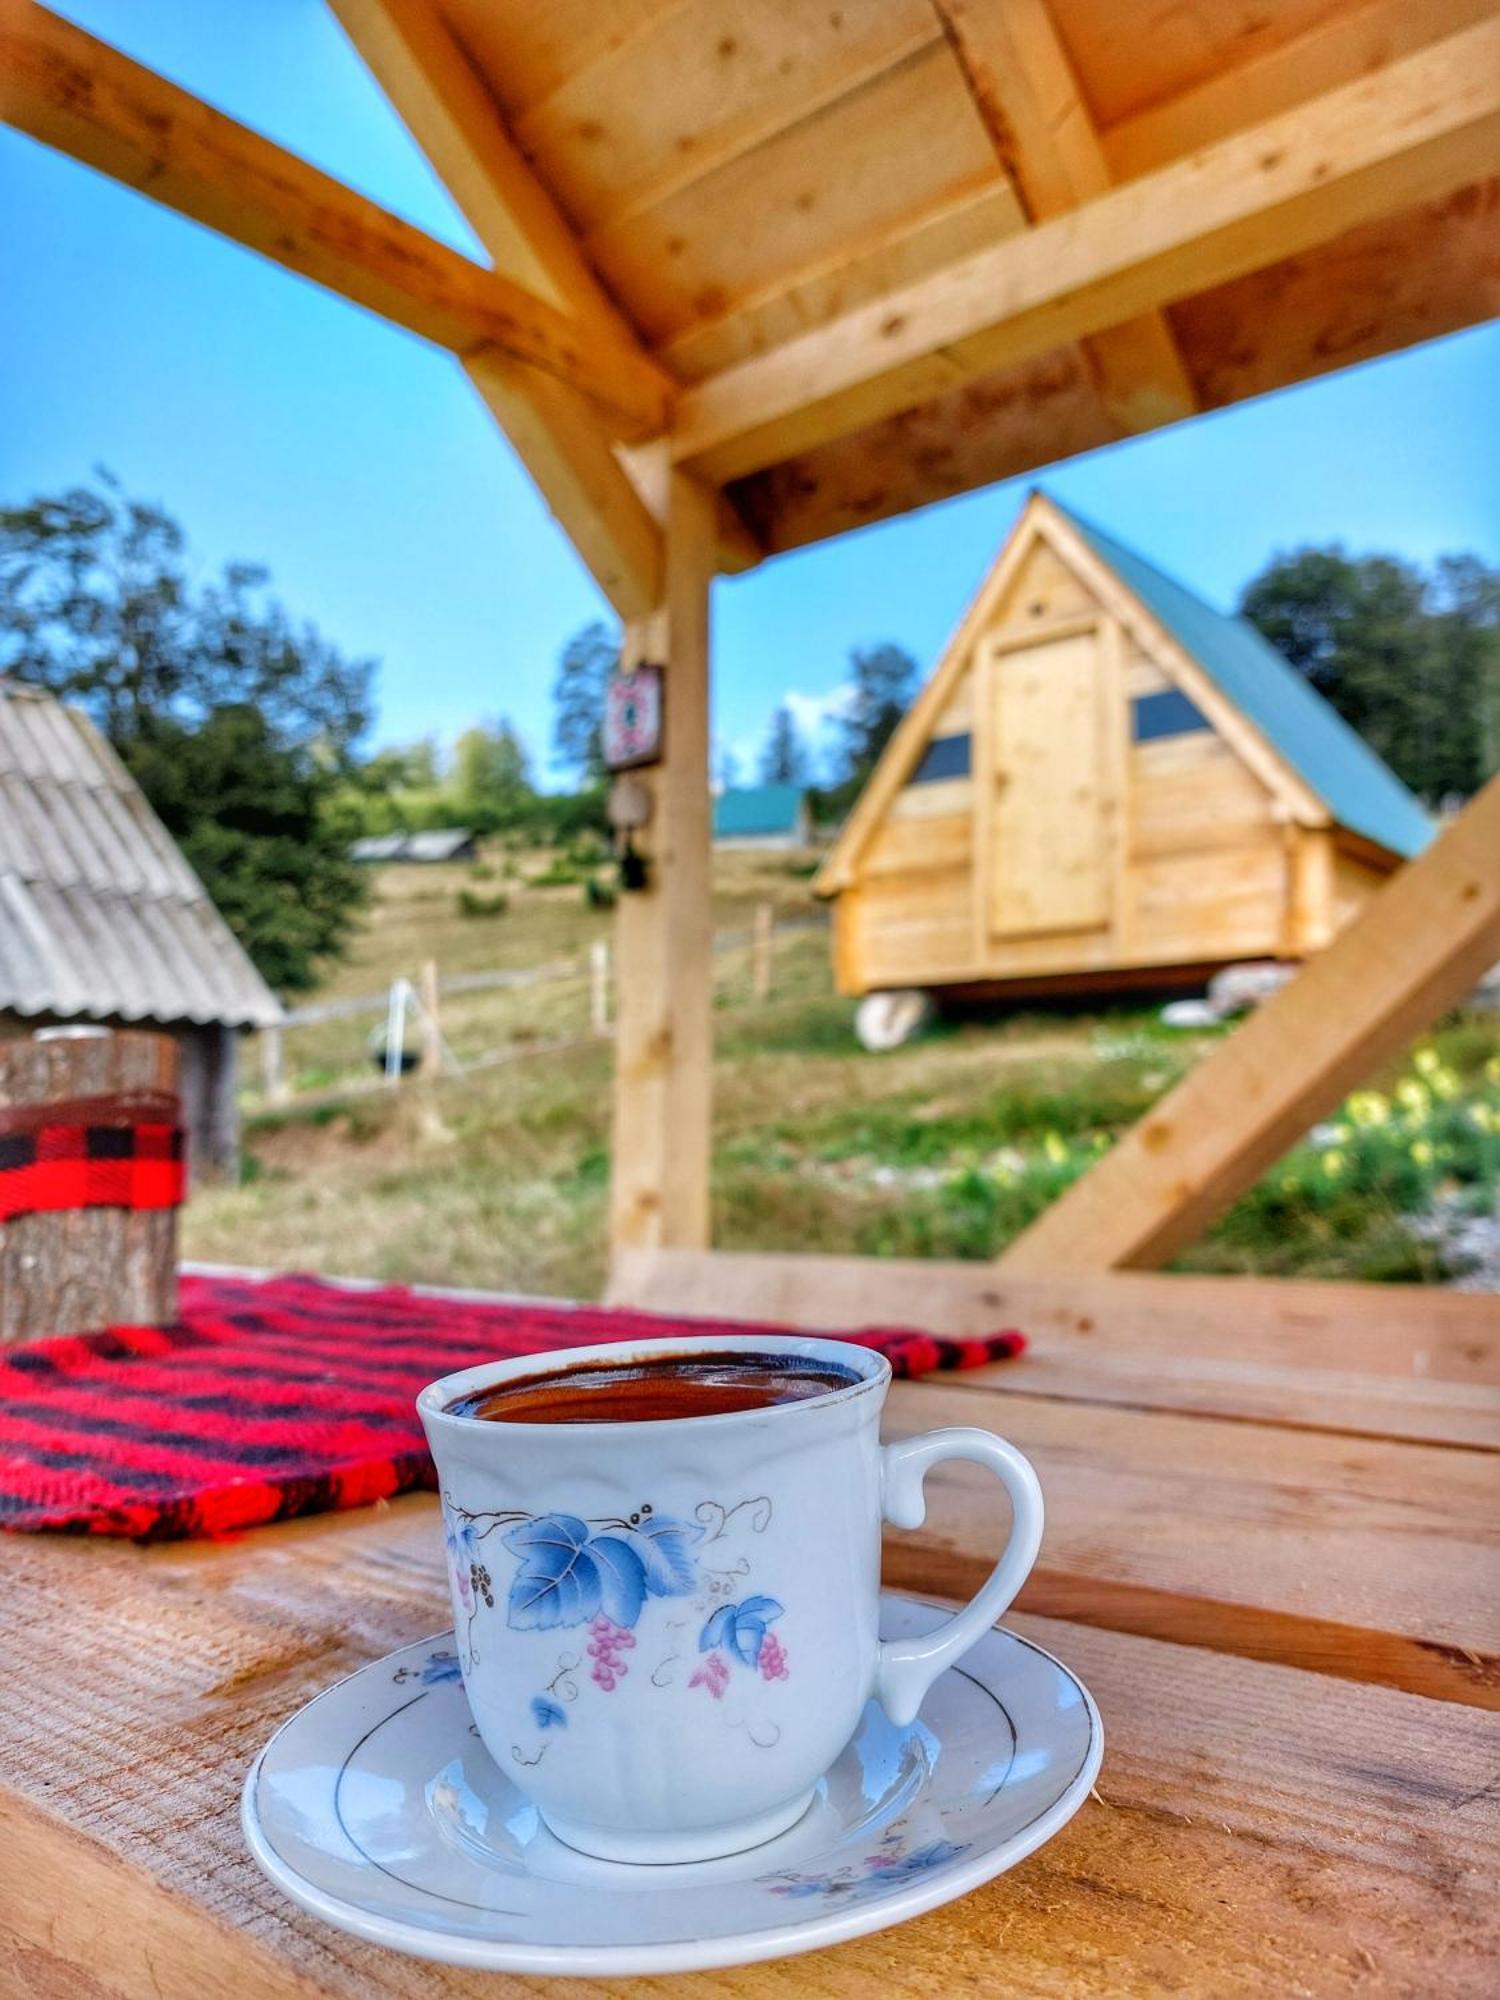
(633, 719)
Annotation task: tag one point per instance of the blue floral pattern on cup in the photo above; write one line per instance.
(598, 1577)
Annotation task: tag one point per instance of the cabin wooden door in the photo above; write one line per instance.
(1047, 852)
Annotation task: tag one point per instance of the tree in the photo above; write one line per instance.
(784, 760)
(1410, 661)
(883, 677)
(583, 672)
(728, 769)
(238, 724)
(491, 782)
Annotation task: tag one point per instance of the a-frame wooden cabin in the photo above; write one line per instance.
(1106, 783)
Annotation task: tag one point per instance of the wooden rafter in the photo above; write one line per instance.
(1024, 86)
(1411, 133)
(448, 110)
(1419, 944)
(446, 105)
(78, 94)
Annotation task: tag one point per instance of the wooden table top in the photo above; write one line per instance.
(1279, 1576)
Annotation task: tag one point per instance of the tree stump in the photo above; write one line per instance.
(79, 1269)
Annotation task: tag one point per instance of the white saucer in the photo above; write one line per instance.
(378, 1809)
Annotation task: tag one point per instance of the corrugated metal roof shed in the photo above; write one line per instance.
(100, 915)
(758, 811)
(444, 843)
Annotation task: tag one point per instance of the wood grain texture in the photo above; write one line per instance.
(1029, 98)
(664, 931)
(88, 1267)
(1231, 1342)
(1256, 1829)
(1415, 132)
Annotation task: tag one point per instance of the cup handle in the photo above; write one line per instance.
(906, 1668)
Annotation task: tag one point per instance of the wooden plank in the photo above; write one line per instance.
(664, 932)
(1413, 132)
(1256, 1828)
(1350, 41)
(446, 105)
(668, 106)
(1421, 943)
(858, 171)
(1023, 83)
(1398, 1333)
(1374, 1560)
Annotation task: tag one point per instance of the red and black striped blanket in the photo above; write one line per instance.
(281, 1396)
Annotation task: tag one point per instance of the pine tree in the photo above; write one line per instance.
(783, 761)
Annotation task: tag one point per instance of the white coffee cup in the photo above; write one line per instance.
(667, 1627)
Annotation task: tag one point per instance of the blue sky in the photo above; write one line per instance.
(282, 425)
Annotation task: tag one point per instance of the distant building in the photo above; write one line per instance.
(763, 816)
(101, 918)
(446, 843)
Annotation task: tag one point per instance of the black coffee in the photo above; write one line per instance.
(659, 1386)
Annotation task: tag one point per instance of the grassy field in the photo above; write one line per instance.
(946, 1148)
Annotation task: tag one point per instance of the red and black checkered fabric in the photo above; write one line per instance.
(123, 1151)
(283, 1396)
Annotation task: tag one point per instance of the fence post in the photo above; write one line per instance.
(760, 952)
(432, 1033)
(599, 986)
(272, 1076)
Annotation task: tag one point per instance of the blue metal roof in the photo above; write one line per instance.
(758, 810)
(1359, 789)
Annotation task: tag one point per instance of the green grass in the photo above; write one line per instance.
(946, 1148)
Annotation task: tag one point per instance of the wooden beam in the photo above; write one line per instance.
(447, 107)
(1028, 96)
(83, 97)
(1419, 945)
(664, 932)
(1400, 1334)
(1411, 133)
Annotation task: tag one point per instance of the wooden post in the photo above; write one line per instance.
(760, 952)
(432, 1033)
(599, 986)
(1420, 944)
(272, 1071)
(78, 1269)
(664, 932)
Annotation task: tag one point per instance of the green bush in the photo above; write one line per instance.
(558, 874)
(472, 904)
(599, 895)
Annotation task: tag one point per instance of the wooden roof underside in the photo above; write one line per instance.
(851, 257)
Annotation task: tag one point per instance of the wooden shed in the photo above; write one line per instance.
(103, 921)
(1106, 783)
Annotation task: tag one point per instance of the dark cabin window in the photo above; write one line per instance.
(1167, 714)
(944, 757)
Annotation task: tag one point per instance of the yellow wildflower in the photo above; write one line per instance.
(1333, 1163)
(1368, 1107)
(1413, 1096)
(1427, 1062)
(1422, 1152)
(1054, 1148)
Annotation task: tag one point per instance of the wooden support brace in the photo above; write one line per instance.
(1419, 945)
(664, 932)
(76, 93)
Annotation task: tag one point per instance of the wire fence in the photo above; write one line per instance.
(426, 1023)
